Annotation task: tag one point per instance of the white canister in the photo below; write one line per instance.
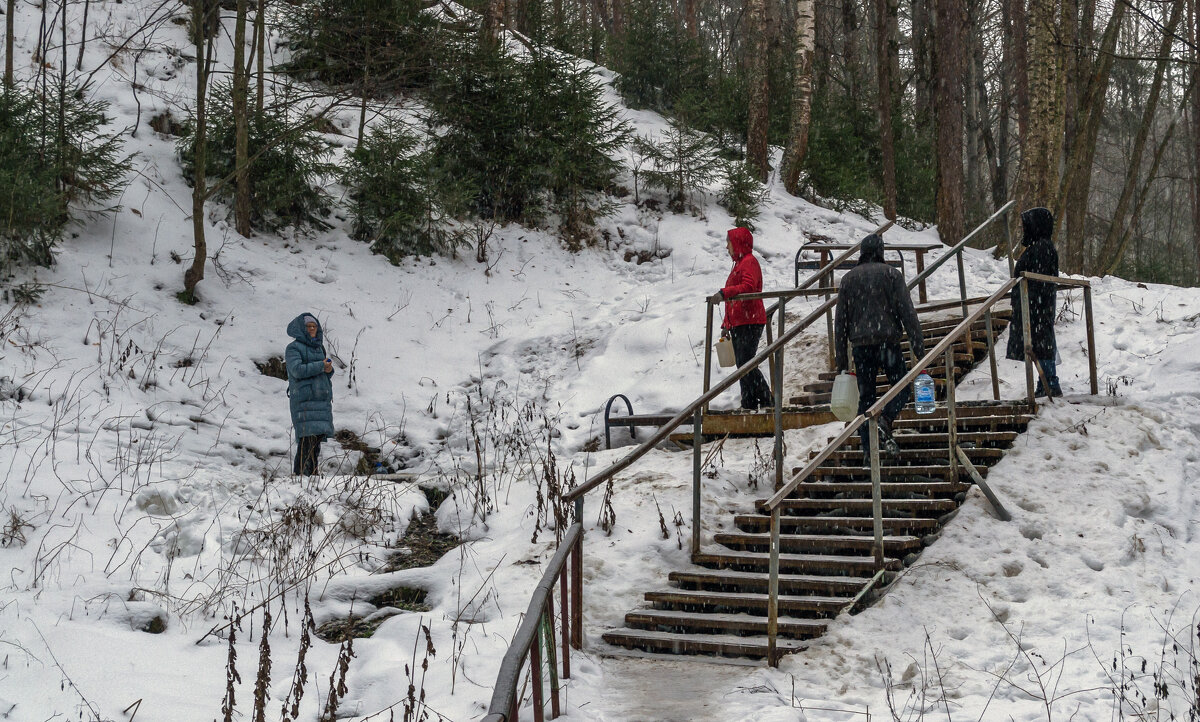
(844, 401)
(725, 355)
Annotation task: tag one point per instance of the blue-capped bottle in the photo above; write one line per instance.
(925, 400)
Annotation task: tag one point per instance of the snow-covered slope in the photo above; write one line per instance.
(146, 460)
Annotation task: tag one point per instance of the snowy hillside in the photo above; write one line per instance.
(147, 497)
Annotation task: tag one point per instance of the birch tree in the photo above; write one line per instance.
(802, 90)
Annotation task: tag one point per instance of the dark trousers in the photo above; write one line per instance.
(308, 451)
(868, 361)
(755, 391)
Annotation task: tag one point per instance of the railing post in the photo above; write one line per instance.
(551, 655)
(577, 582)
(876, 491)
(535, 674)
(827, 283)
(773, 592)
(564, 620)
(951, 416)
(708, 342)
(777, 390)
(1008, 246)
(697, 443)
(991, 342)
(1091, 338)
(1025, 329)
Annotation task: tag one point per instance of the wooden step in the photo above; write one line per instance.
(845, 565)
(889, 489)
(669, 620)
(979, 438)
(891, 472)
(749, 602)
(863, 506)
(721, 644)
(893, 545)
(834, 524)
(722, 579)
(937, 422)
(979, 456)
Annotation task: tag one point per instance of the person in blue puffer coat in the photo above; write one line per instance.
(310, 391)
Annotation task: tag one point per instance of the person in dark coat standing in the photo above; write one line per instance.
(744, 320)
(873, 308)
(1039, 256)
(310, 391)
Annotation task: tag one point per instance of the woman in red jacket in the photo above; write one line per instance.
(744, 320)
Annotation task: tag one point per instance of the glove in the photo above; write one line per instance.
(716, 297)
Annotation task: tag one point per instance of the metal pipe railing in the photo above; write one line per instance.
(537, 633)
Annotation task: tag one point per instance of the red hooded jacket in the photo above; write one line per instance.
(746, 277)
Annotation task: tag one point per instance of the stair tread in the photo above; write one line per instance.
(704, 642)
(887, 487)
(838, 561)
(733, 576)
(865, 538)
(681, 618)
(742, 597)
(832, 521)
(865, 504)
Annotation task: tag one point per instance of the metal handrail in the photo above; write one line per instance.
(504, 704)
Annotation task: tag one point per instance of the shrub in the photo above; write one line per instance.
(743, 195)
(49, 178)
(389, 45)
(393, 198)
(680, 163)
(288, 160)
(528, 136)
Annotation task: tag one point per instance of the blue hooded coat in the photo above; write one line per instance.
(310, 389)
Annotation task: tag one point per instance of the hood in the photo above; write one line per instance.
(872, 249)
(295, 329)
(741, 240)
(1037, 223)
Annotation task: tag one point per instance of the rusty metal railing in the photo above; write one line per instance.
(535, 640)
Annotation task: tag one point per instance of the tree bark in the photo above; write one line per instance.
(756, 134)
(1194, 35)
(974, 202)
(1020, 67)
(493, 20)
(9, 39)
(689, 19)
(922, 63)
(802, 88)
(195, 273)
(948, 77)
(241, 123)
(260, 34)
(1041, 146)
(1116, 225)
(886, 61)
(1077, 180)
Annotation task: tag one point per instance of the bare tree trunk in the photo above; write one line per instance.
(9, 39)
(802, 87)
(241, 124)
(974, 201)
(922, 63)
(1020, 56)
(689, 19)
(1041, 146)
(1150, 178)
(1194, 35)
(886, 52)
(618, 17)
(202, 10)
(756, 132)
(850, 44)
(493, 20)
(260, 34)
(1116, 226)
(948, 75)
(1077, 179)
(82, 36)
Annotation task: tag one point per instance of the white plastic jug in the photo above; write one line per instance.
(725, 355)
(844, 402)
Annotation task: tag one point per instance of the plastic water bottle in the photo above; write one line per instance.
(925, 402)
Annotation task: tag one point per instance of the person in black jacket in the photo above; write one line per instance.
(873, 308)
(1041, 257)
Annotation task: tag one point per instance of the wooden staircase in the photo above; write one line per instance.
(718, 606)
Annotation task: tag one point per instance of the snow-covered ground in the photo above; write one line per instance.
(146, 461)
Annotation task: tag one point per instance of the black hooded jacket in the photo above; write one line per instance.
(1041, 257)
(873, 305)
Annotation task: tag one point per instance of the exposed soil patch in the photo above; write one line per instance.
(390, 603)
(369, 462)
(421, 546)
(273, 367)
